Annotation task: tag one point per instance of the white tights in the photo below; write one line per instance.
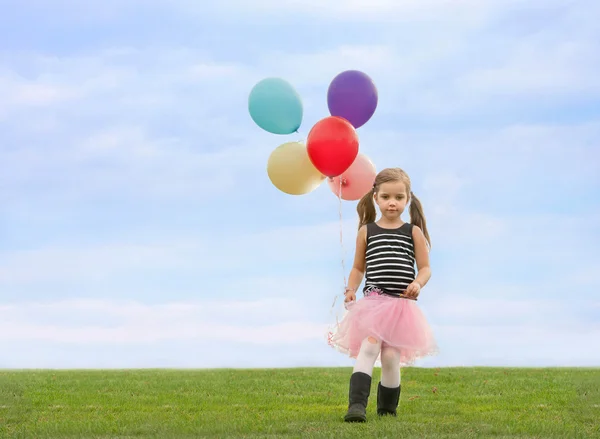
(390, 361)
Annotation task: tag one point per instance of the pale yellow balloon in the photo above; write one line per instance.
(291, 171)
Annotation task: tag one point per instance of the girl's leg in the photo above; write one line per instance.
(390, 367)
(369, 351)
(360, 381)
(388, 390)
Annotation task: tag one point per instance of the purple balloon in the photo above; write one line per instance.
(353, 96)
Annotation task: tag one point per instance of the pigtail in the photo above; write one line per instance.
(417, 217)
(366, 209)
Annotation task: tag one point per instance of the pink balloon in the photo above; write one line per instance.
(357, 180)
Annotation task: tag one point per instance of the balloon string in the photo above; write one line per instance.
(340, 210)
(337, 322)
(342, 232)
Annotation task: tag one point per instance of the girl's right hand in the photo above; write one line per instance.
(349, 298)
(349, 295)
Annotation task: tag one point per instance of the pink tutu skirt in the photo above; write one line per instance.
(397, 322)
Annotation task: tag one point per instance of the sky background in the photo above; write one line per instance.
(138, 227)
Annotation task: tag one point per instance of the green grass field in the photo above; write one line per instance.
(435, 403)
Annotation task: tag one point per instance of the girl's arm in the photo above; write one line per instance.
(422, 259)
(358, 268)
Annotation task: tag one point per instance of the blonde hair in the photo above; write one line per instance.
(366, 205)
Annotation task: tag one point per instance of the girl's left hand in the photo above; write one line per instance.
(413, 290)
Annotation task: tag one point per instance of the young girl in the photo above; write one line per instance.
(386, 324)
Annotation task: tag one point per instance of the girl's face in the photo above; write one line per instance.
(392, 199)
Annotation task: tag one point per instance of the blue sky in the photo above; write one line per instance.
(138, 227)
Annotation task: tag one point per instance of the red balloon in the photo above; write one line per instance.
(332, 145)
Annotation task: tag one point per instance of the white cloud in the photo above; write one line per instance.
(123, 75)
(470, 248)
(376, 10)
(60, 81)
(87, 263)
(125, 161)
(264, 321)
(456, 67)
(538, 67)
(132, 121)
(185, 252)
(469, 330)
(69, 11)
(189, 84)
(519, 346)
(489, 250)
(512, 160)
(522, 72)
(500, 307)
(438, 15)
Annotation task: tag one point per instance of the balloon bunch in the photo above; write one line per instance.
(331, 150)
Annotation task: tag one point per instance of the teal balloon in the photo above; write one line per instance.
(275, 106)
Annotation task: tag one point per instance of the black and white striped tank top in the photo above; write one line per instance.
(390, 258)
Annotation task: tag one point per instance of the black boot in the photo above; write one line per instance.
(358, 396)
(387, 400)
